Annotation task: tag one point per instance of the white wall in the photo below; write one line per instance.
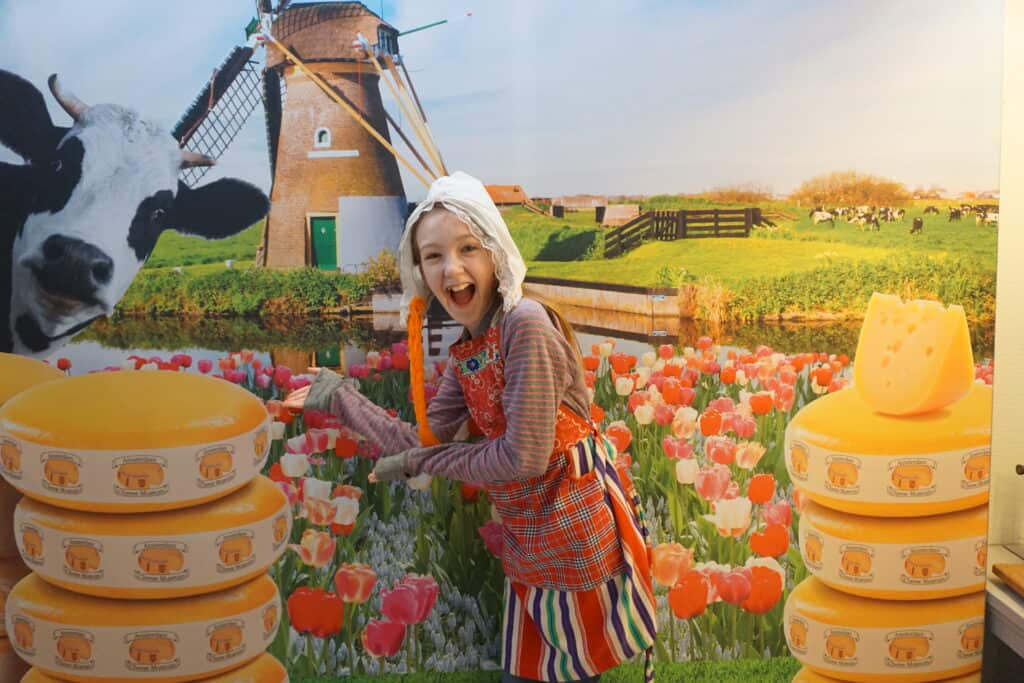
(365, 226)
(1006, 509)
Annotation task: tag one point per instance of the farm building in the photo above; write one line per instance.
(507, 195)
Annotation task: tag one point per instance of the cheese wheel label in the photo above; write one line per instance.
(880, 651)
(935, 477)
(126, 652)
(169, 477)
(184, 561)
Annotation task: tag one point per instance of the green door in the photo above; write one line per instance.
(325, 246)
(329, 357)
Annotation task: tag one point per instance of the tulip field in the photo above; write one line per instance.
(401, 577)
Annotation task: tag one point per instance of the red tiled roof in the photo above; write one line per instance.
(507, 194)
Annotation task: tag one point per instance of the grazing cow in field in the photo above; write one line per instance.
(931, 209)
(918, 225)
(80, 218)
(822, 217)
(866, 221)
(987, 218)
(955, 214)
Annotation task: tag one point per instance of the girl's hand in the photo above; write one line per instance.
(372, 478)
(297, 399)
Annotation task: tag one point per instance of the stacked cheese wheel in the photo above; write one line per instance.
(148, 529)
(896, 470)
(17, 373)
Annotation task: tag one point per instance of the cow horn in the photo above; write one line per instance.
(71, 104)
(190, 159)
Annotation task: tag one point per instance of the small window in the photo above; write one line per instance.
(322, 138)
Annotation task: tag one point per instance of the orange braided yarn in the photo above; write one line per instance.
(414, 326)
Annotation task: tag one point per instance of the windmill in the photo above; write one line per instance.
(337, 197)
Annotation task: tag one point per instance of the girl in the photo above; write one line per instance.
(578, 593)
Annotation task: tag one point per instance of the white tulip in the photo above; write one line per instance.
(316, 488)
(276, 430)
(605, 348)
(686, 470)
(648, 359)
(294, 464)
(644, 414)
(643, 375)
(348, 509)
(624, 386)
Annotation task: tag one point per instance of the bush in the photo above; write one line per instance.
(240, 292)
(842, 188)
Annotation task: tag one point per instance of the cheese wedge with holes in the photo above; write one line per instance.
(858, 639)
(157, 555)
(11, 665)
(12, 570)
(890, 559)
(848, 457)
(805, 675)
(912, 357)
(263, 669)
(96, 640)
(129, 442)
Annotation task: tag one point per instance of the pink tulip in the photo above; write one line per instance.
(298, 444)
(383, 638)
(677, 448)
(663, 414)
(720, 449)
(777, 513)
(411, 600)
(262, 381)
(744, 427)
(492, 534)
(734, 586)
(666, 351)
(282, 373)
(289, 490)
(317, 440)
(732, 491)
(295, 383)
(318, 511)
(182, 360)
(711, 482)
(722, 404)
(385, 361)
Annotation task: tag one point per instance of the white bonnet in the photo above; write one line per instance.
(466, 197)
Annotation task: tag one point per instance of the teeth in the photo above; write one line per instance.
(458, 288)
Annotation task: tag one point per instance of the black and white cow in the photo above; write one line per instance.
(82, 215)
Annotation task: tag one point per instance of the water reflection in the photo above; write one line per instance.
(341, 342)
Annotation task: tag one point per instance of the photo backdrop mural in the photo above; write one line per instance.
(741, 209)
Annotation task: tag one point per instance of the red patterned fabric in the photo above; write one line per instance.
(559, 528)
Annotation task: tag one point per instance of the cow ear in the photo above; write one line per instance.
(25, 125)
(223, 208)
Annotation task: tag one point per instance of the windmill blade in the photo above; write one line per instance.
(273, 102)
(219, 110)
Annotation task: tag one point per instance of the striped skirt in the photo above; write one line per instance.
(551, 635)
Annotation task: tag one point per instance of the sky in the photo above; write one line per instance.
(597, 96)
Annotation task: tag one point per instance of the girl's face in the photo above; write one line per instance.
(458, 270)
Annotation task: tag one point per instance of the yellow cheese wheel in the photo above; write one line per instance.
(9, 497)
(18, 373)
(11, 665)
(263, 669)
(858, 639)
(805, 675)
(157, 555)
(130, 442)
(848, 457)
(890, 559)
(912, 357)
(12, 570)
(93, 640)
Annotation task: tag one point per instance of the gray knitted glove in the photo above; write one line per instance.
(391, 467)
(322, 389)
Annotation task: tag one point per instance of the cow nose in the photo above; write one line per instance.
(73, 268)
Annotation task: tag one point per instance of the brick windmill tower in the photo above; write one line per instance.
(337, 196)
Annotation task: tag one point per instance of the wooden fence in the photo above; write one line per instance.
(679, 225)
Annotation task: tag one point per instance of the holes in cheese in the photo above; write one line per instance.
(889, 559)
(912, 357)
(157, 555)
(858, 639)
(86, 639)
(11, 665)
(157, 441)
(848, 457)
(263, 669)
(12, 570)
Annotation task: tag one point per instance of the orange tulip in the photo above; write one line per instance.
(771, 542)
(347, 491)
(618, 433)
(762, 488)
(689, 597)
(761, 403)
(596, 413)
(318, 511)
(728, 375)
(591, 363)
(669, 561)
(354, 582)
(710, 422)
(765, 590)
(316, 548)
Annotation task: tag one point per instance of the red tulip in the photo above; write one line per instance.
(205, 365)
(411, 600)
(596, 413)
(620, 436)
(677, 448)
(712, 482)
(354, 582)
(591, 363)
(720, 449)
(765, 590)
(762, 488)
(64, 364)
(666, 351)
(282, 374)
(733, 587)
(383, 638)
(687, 396)
(771, 542)
(670, 390)
(704, 342)
(761, 403)
(469, 492)
(314, 610)
(663, 414)
(492, 534)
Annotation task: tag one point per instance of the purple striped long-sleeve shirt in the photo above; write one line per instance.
(540, 371)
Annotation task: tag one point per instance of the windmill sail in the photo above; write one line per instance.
(273, 100)
(219, 110)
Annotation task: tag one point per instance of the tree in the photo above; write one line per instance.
(841, 188)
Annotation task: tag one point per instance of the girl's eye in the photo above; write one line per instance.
(430, 257)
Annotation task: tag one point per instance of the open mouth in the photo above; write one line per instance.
(462, 294)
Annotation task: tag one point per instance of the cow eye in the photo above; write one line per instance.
(56, 165)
